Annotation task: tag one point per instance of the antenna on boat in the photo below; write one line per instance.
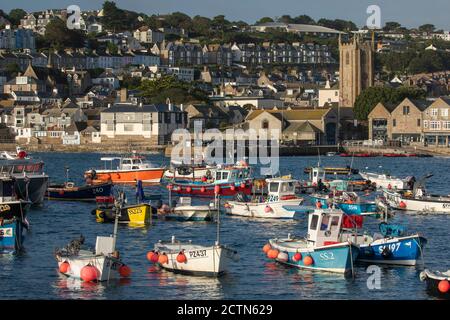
(118, 209)
(318, 154)
(67, 173)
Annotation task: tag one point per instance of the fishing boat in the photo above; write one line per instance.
(318, 181)
(386, 181)
(277, 204)
(392, 246)
(186, 211)
(180, 171)
(335, 170)
(13, 221)
(438, 283)
(101, 264)
(136, 214)
(418, 200)
(129, 170)
(31, 180)
(348, 202)
(19, 154)
(69, 192)
(321, 250)
(230, 180)
(194, 259)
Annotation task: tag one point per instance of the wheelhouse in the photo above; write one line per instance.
(324, 227)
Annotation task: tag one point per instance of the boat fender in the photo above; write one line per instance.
(443, 286)
(266, 248)
(423, 276)
(181, 257)
(267, 209)
(386, 253)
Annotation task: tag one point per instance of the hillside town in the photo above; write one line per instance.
(313, 82)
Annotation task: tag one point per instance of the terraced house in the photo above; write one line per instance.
(436, 123)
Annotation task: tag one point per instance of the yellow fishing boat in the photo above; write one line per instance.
(136, 214)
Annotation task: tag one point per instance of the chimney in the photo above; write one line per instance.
(123, 95)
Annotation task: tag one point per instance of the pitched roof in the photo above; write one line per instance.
(301, 127)
(122, 107)
(421, 104)
(293, 115)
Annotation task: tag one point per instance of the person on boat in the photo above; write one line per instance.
(320, 185)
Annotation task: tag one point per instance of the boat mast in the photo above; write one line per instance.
(67, 173)
(118, 208)
(218, 219)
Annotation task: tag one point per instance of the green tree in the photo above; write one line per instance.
(264, 20)
(427, 27)
(391, 26)
(59, 36)
(15, 15)
(370, 97)
(304, 19)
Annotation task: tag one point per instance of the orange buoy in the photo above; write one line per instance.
(297, 257)
(64, 267)
(150, 255)
(89, 273)
(155, 257)
(124, 271)
(282, 257)
(272, 253)
(308, 260)
(402, 205)
(443, 286)
(217, 189)
(181, 257)
(319, 205)
(163, 259)
(266, 248)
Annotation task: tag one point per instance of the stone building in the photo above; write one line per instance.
(356, 69)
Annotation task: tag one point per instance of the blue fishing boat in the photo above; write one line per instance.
(321, 250)
(12, 217)
(392, 246)
(68, 191)
(357, 208)
(349, 202)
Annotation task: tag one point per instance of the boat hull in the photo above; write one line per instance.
(130, 176)
(36, 185)
(84, 193)
(190, 213)
(108, 267)
(258, 210)
(198, 174)
(337, 258)
(385, 182)
(405, 251)
(424, 205)
(139, 214)
(207, 190)
(11, 236)
(358, 208)
(204, 261)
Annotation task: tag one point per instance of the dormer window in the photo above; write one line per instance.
(265, 124)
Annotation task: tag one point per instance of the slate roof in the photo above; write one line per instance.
(121, 107)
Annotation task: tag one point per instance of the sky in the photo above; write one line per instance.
(409, 13)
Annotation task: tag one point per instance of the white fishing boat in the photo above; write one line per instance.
(194, 259)
(102, 264)
(418, 200)
(182, 171)
(386, 181)
(186, 211)
(280, 203)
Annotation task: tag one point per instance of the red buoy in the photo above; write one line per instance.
(204, 179)
(232, 187)
(297, 257)
(64, 267)
(150, 255)
(155, 257)
(188, 189)
(22, 154)
(181, 257)
(89, 273)
(242, 185)
(202, 189)
(443, 286)
(402, 205)
(267, 209)
(170, 186)
(319, 205)
(217, 189)
(124, 271)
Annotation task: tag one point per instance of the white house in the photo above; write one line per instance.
(328, 95)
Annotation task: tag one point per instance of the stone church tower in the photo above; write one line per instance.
(356, 69)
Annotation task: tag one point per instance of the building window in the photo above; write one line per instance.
(347, 58)
(265, 124)
(445, 124)
(434, 112)
(444, 112)
(128, 127)
(418, 122)
(435, 125)
(394, 123)
(405, 110)
(425, 124)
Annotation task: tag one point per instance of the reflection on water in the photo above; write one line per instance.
(254, 277)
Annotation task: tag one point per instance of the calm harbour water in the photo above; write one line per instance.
(33, 274)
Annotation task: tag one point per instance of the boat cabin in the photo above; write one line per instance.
(7, 189)
(316, 174)
(231, 175)
(131, 163)
(278, 189)
(324, 227)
